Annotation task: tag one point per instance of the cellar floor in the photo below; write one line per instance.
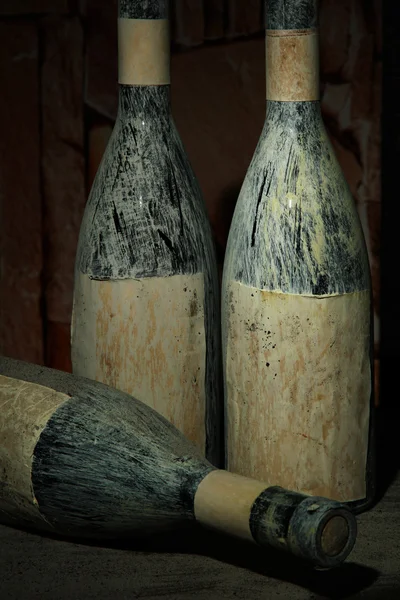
(202, 566)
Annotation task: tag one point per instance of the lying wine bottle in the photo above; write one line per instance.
(297, 302)
(81, 459)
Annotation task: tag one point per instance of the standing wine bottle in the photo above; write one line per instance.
(297, 327)
(146, 308)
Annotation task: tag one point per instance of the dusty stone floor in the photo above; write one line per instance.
(206, 566)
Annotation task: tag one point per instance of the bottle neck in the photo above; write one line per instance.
(292, 52)
(275, 517)
(144, 104)
(143, 61)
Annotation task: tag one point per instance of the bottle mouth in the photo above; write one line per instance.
(318, 530)
(335, 536)
(331, 541)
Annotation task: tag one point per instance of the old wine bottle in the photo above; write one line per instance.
(85, 460)
(297, 327)
(146, 307)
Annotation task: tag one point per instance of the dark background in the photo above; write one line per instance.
(58, 100)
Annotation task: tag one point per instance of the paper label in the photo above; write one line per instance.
(143, 51)
(146, 337)
(292, 61)
(298, 381)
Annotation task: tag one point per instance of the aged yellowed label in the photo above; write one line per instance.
(292, 62)
(298, 385)
(223, 501)
(25, 409)
(146, 337)
(143, 51)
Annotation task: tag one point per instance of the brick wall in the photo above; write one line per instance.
(59, 64)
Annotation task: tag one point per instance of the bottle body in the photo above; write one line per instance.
(297, 294)
(145, 316)
(82, 459)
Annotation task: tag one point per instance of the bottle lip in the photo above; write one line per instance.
(338, 535)
(137, 9)
(291, 14)
(330, 543)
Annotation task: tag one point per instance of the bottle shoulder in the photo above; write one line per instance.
(145, 214)
(296, 227)
(130, 439)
